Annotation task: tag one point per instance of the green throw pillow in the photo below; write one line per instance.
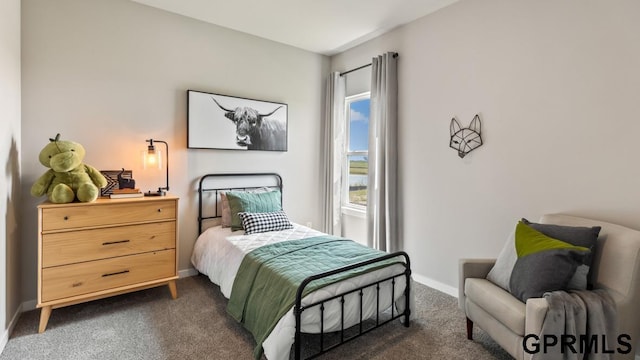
(240, 201)
(544, 263)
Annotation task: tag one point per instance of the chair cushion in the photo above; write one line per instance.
(498, 302)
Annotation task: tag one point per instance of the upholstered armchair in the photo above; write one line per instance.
(615, 268)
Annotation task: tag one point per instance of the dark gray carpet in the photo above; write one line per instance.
(149, 325)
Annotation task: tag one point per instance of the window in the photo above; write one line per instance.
(357, 150)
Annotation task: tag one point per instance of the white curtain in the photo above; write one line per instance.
(382, 223)
(332, 161)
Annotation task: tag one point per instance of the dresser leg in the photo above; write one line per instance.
(172, 289)
(44, 318)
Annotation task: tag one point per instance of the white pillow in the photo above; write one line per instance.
(500, 273)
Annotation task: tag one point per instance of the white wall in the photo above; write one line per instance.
(112, 73)
(556, 85)
(10, 153)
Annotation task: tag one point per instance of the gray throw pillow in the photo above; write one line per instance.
(500, 273)
(544, 271)
(574, 235)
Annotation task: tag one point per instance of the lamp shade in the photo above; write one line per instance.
(152, 159)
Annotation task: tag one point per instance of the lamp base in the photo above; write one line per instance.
(149, 193)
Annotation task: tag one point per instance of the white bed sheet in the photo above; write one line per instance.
(218, 253)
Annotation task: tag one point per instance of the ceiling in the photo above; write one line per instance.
(321, 26)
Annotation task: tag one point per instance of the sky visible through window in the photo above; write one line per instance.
(359, 125)
(358, 141)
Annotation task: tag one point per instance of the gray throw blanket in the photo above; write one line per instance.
(585, 317)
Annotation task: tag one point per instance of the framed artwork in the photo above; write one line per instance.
(114, 179)
(217, 121)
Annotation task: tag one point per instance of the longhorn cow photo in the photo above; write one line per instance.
(224, 122)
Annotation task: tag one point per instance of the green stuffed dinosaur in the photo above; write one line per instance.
(67, 178)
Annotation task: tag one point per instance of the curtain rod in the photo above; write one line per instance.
(395, 55)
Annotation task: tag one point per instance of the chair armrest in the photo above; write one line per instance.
(471, 268)
(535, 312)
(475, 268)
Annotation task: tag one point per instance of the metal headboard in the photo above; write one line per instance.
(202, 189)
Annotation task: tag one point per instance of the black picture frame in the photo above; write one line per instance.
(216, 121)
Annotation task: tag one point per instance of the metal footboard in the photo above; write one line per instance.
(299, 309)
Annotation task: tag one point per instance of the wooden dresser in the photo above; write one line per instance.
(88, 251)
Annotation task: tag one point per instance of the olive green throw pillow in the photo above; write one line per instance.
(544, 263)
(530, 240)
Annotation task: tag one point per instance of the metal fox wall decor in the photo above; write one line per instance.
(466, 139)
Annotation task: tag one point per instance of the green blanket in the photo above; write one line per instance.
(266, 284)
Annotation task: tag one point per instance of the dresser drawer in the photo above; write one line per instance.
(63, 248)
(88, 215)
(82, 278)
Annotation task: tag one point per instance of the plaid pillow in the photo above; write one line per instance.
(263, 222)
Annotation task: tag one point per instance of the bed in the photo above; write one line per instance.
(339, 290)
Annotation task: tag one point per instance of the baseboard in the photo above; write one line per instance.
(187, 272)
(29, 305)
(9, 330)
(447, 289)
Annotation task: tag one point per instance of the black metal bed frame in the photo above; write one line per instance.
(202, 190)
(298, 307)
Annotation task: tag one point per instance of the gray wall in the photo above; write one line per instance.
(10, 299)
(112, 73)
(556, 85)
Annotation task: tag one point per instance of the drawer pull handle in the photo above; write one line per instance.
(159, 210)
(66, 218)
(116, 273)
(115, 242)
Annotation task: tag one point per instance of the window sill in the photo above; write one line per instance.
(355, 211)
